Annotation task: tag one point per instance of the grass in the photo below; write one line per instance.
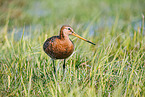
(115, 66)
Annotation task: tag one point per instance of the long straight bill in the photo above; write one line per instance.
(74, 34)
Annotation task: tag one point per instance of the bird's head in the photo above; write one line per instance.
(67, 30)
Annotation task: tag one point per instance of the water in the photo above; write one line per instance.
(37, 10)
(28, 32)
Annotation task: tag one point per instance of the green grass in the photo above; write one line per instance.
(115, 66)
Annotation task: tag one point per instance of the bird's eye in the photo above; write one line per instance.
(68, 28)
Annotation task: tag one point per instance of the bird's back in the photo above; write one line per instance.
(58, 48)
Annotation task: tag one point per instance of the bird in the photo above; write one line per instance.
(61, 47)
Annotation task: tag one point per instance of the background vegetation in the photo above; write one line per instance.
(115, 66)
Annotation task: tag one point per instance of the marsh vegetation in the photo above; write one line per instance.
(115, 66)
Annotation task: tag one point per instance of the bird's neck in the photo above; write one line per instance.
(63, 35)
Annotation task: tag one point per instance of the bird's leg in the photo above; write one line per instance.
(54, 66)
(64, 66)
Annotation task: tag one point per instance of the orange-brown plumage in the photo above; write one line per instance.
(61, 47)
(58, 48)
